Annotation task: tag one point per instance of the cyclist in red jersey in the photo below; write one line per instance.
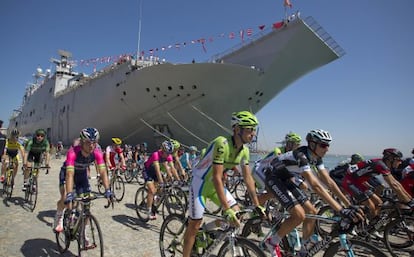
(360, 178)
(114, 154)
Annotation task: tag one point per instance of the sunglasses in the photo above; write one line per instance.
(323, 145)
(40, 135)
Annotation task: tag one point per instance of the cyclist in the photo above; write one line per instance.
(222, 154)
(114, 154)
(360, 180)
(159, 160)
(338, 173)
(77, 162)
(292, 141)
(179, 169)
(280, 177)
(35, 147)
(12, 149)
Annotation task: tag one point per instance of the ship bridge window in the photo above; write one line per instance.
(124, 93)
(169, 88)
(148, 89)
(181, 87)
(157, 88)
(117, 84)
(194, 87)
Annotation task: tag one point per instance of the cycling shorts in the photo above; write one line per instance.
(34, 157)
(200, 190)
(81, 182)
(150, 175)
(62, 176)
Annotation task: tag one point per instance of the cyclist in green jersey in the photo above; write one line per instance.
(34, 148)
(223, 153)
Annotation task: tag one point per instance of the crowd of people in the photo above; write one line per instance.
(286, 174)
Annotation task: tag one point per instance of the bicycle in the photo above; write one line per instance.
(335, 243)
(79, 224)
(32, 188)
(116, 184)
(8, 183)
(134, 173)
(172, 199)
(207, 240)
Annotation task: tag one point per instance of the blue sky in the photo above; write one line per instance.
(364, 99)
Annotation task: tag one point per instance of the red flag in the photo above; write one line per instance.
(278, 25)
(287, 3)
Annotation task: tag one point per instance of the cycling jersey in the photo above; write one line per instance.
(159, 157)
(77, 162)
(221, 151)
(35, 149)
(362, 173)
(12, 148)
(2, 142)
(113, 153)
(407, 180)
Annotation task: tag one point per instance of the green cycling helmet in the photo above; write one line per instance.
(293, 137)
(244, 119)
(356, 157)
(40, 132)
(175, 143)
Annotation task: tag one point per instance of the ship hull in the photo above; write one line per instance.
(189, 102)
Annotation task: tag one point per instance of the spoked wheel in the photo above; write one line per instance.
(323, 227)
(63, 238)
(356, 248)
(31, 194)
(242, 247)
(172, 235)
(129, 175)
(99, 184)
(118, 188)
(141, 204)
(90, 237)
(399, 236)
(173, 204)
(8, 185)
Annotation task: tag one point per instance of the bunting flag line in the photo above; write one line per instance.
(243, 33)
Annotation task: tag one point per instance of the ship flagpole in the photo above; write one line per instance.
(139, 29)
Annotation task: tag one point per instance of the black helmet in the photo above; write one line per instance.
(392, 152)
(15, 132)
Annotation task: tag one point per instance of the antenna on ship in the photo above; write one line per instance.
(139, 28)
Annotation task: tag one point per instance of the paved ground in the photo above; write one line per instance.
(29, 234)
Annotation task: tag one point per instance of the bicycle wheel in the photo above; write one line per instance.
(31, 192)
(118, 188)
(399, 236)
(63, 238)
(90, 237)
(240, 190)
(8, 184)
(140, 177)
(141, 204)
(242, 247)
(129, 175)
(178, 192)
(173, 204)
(323, 227)
(359, 248)
(99, 184)
(172, 235)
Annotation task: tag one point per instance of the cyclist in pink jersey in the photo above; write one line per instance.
(161, 159)
(78, 160)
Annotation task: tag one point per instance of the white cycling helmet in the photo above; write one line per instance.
(319, 136)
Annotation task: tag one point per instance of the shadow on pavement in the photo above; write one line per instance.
(130, 206)
(135, 223)
(42, 215)
(14, 200)
(41, 248)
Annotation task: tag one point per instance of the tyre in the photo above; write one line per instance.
(359, 248)
(240, 190)
(31, 193)
(8, 184)
(173, 205)
(90, 237)
(323, 227)
(399, 236)
(118, 188)
(128, 175)
(141, 204)
(243, 247)
(63, 238)
(172, 235)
